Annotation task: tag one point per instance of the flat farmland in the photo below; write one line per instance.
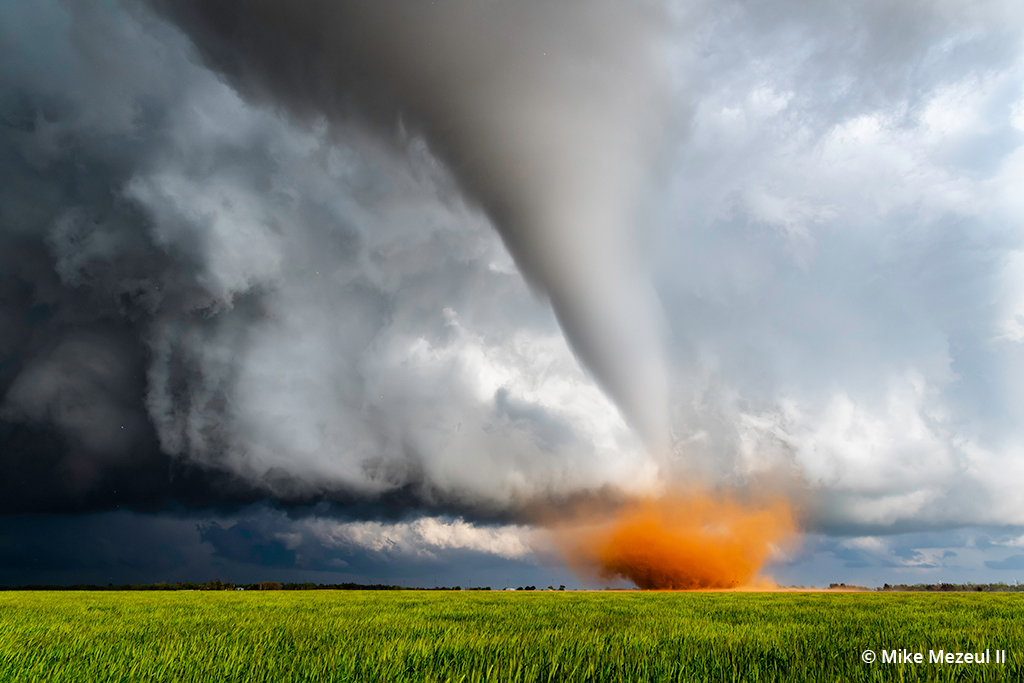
(523, 636)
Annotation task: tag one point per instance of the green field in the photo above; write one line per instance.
(429, 636)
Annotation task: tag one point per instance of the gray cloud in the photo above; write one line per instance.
(194, 283)
(257, 543)
(282, 288)
(543, 113)
(1011, 562)
(837, 259)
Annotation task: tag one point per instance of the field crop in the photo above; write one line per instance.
(523, 636)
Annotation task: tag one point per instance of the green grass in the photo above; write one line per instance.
(426, 636)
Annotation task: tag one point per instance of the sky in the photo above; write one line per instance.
(348, 291)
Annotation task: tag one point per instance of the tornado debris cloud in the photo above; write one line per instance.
(681, 541)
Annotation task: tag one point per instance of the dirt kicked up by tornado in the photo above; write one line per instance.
(681, 542)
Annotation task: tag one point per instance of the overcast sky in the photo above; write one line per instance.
(282, 300)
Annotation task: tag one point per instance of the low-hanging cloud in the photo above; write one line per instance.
(423, 537)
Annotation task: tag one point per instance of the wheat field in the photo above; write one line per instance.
(279, 636)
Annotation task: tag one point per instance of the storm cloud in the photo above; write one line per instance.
(455, 259)
(545, 114)
(200, 283)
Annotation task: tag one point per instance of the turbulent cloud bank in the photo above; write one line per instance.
(310, 308)
(506, 252)
(840, 254)
(543, 112)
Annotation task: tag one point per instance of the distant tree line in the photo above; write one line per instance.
(956, 587)
(218, 585)
(937, 588)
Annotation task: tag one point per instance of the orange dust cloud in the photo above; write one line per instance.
(682, 542)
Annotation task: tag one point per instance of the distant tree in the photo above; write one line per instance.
(270, 586)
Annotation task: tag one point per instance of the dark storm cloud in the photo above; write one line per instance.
(203, 301)
(101, 548)
(256, 543)
(1011, 562)
(851, 558)
(543, 111)
(72, 376)
(237, 262)
(245, 542)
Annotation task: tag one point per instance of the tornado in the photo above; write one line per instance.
(546, 114)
